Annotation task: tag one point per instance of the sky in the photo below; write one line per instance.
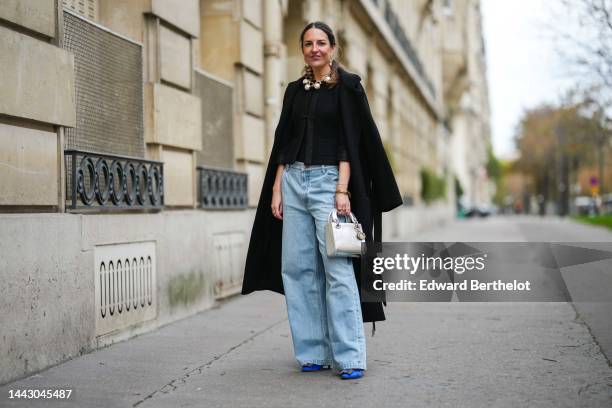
(523, 68)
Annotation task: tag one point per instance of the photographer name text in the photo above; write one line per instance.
(432, 285)
(457, 265)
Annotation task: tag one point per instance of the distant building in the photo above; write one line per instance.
(466, 98)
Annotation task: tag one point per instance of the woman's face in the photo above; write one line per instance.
(316, 48)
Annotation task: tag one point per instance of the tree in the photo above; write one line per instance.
(600, 130)
(583, 33)
(585, 42)
(552, 142)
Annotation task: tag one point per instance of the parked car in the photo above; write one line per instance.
(483, 210)
(606, 204)
(585, 205)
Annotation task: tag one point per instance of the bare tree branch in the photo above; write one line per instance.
(584, 43)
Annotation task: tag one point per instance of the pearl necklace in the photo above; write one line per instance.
(316, 84)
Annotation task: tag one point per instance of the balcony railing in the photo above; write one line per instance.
(400, 35)
(105, 182)
(221, 189)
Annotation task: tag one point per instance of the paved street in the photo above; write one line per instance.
(239, 354)
(535, 229)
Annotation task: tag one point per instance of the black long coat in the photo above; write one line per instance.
(372, 185)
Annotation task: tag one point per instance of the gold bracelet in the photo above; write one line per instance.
(348, 193)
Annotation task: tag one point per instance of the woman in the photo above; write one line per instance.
(327, 154)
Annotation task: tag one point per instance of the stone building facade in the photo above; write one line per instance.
(466, 99)
(134, 136)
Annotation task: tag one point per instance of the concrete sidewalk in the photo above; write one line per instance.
(240, 354)
(425, 354)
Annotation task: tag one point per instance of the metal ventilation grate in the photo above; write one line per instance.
(108, 88)
(125, 285)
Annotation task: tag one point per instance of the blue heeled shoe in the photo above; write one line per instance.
(351, 373)
(315, 367)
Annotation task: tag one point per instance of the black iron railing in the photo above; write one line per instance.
(108, 182)
(221, 189)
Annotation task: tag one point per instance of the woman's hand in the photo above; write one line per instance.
(277, 195)
(277, 204)
(343, 204)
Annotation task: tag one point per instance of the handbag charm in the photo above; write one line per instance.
(343, 238)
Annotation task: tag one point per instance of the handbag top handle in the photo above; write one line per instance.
(333, 217)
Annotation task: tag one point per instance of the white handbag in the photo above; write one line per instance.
(343, 238)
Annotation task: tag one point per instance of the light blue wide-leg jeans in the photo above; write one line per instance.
(321, 292)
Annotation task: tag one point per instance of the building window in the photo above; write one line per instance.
(85, 8)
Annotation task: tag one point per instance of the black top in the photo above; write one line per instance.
(315, 132)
